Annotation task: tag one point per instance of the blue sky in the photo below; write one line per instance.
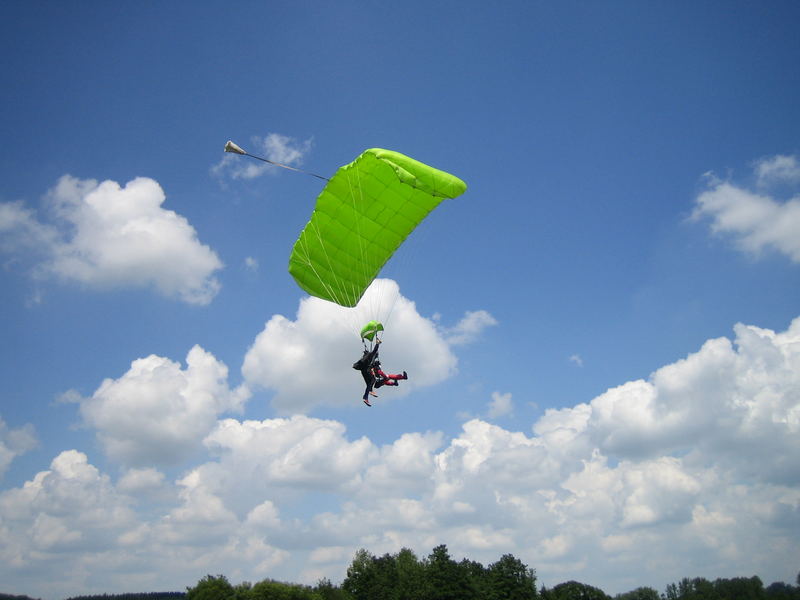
(600, 334)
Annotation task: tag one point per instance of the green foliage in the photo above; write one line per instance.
(737, 588)
(782, 591)
(390, 577)
(276, 590)
(327, 591)
(740, 588)
(219, 588)
(212, 588)
(410, 576)
(640, 593)
(698, 588)
(402, 576)
(478, 577)
(131, 596)
(573, 590)
(510, 579)
(447, 580)
(360, 576)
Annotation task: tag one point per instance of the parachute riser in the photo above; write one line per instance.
(371, 344)
(231, 147)
(277, 164)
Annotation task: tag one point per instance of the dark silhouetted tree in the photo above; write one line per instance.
(510, 579)
(740, 588)
(573, 590)
(640, 593)
(410, 576)
(327, 591)
(278, 590)
(782, 591)
(211, 588)
(361, 576)
(446, 580)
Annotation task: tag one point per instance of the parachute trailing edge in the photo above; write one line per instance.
(364, 213)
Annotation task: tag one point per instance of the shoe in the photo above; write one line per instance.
(367, 402)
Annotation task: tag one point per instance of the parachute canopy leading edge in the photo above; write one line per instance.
(361, 217)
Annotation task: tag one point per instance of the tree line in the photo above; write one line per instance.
(404, 576)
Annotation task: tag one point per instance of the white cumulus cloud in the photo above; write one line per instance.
(70, 510)
(469, 327)
(251, 264)
(756, 220)
(296, 452)
(306, 362)
(105, 236)
(500, 406)
(158, 412)
(777, 169)
(13, 443)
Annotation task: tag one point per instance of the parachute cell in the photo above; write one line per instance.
(361, 217)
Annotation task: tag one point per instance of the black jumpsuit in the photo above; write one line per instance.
(366, 369)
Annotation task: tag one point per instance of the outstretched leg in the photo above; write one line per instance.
(404, 375)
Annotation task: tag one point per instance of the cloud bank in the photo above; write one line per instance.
(701, 456)
(106, 236)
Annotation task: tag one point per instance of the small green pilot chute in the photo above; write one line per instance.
(366, 210)
(370, 330)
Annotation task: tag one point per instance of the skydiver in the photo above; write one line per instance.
(364, 364)
(382, 378)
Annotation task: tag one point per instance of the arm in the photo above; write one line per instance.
(373, 354)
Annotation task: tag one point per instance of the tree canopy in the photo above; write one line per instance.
(404, 576)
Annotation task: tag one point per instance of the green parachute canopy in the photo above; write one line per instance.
(370, 330)
(363, 214)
